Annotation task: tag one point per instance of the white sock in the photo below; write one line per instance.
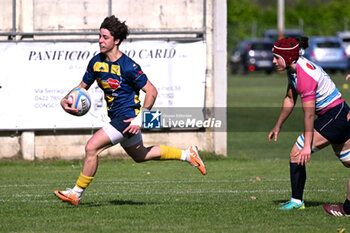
(296, 201)
(78, 191)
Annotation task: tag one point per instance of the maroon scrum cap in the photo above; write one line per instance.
(287, 49)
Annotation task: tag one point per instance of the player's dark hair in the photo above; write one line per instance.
(303, 42)
(119, 30)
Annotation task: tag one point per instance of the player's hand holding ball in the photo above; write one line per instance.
(77, 103)
(66, 105)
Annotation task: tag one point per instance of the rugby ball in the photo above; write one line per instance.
(81, 100)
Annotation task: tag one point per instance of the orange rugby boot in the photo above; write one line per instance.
(68, 196)
(195, 160)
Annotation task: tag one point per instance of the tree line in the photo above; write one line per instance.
(249, 18)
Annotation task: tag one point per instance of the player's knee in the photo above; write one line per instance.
(138, 154)
(90, 149)
(300, 145)
(292, 154)
(138, 157)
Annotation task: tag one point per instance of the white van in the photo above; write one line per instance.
(345, 37)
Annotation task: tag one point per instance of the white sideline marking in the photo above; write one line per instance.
(38, 197)
(103, 182)
(149, 182)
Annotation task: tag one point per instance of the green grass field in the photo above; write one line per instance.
(241, 193)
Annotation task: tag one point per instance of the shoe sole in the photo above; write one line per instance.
(64, 198)
(294, 208)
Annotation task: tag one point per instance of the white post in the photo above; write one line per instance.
(220, 74)
(28, 145)
(280, 18)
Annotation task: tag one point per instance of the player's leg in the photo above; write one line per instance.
(343, 153)
(140, 153)
(100, 141)
(339, 135)
(298, 171)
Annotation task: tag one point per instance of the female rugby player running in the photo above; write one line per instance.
(121, 80)
(318, 96)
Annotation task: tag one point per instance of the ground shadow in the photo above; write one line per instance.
(122, 202)
(113, 202)
(90, 204)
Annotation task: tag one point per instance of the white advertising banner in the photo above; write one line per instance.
(35, 76)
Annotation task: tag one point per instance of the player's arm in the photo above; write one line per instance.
(287, 108)
(150, 97)
(66, 103)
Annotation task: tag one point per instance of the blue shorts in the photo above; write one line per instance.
(120, 125)
(115, 129)
(333, 124)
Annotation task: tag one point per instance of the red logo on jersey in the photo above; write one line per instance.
(310, 66)
(139, 73)
(114, 84)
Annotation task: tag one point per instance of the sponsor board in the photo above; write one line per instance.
(36, 75)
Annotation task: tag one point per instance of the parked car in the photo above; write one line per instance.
(345, 37)
(252, 55)
(328, 52)
(273, 34)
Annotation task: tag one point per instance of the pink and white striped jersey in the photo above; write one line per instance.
(313, 83)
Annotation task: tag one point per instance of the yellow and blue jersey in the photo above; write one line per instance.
(120, 81)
